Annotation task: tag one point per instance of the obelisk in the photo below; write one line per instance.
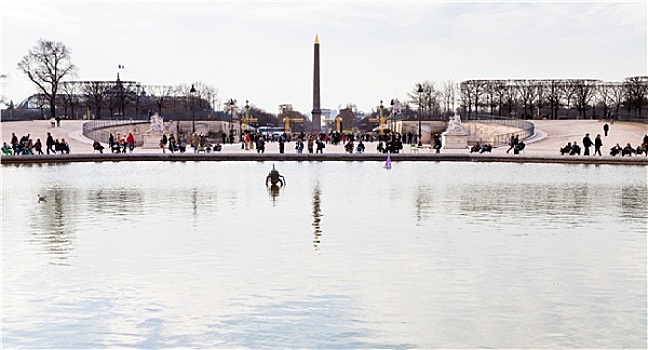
(317, 111)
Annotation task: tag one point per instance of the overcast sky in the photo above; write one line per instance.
(370, 51)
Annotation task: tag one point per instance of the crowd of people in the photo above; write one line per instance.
(305, 143)
(26, 146)
(574, 148)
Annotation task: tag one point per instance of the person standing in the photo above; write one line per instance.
(513, 142)
(195, 142)
(130, 139)
(65, 147)
(282, 142)
(310, 144)
(172, 143)
(49, 142)
(14, 140)
(320, 146)
(606, 128)
(598, 143)
(247, 141)
(163, 142)
(587, 143)
(437, 143)
(260, 144)
(38, 146)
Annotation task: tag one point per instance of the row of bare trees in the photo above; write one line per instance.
(556, 98)
(549, 98)
(129, 99)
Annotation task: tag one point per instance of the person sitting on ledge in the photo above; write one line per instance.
(349, 146)
(381, 147)
(566, 149)
(29, 147)
(63, 146)
(627, 150)
(615, 150)
(20, 148)
(115, 148)
(476, 148)
(6, 149)
(361, 147)
(486, 148)
(575, 149)
(97, 146)
(519, 147)
(217, 147)
(643, 148)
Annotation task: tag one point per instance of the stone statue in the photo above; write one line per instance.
(157, 125)
(455, 124)
(398, 107)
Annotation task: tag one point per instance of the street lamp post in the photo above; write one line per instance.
(231, 103)
(137, 97)
(420, 91)
(380, 115)
(247, 115)
(120, 97)
(193, 110)
(393, 114)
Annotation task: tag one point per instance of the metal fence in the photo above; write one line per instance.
(94, 130)
(524, 129)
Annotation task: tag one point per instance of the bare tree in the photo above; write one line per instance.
(636, 93)
(500, 92)
(526, 91)
(583, 93)
(94, 93)
(429, 98)
(46, 65)
(540, 88)
(3, 77)
(568, 92)
(447, 94)
(553, 94)
(70, 98)
(491, 90)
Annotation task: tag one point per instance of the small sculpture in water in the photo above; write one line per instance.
(275, 178)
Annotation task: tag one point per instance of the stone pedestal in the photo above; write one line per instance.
(151, 140)
(455, 139)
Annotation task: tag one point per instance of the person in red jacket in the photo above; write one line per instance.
(130, 140)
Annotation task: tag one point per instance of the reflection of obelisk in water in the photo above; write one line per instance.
(317, 112)
(317, 216)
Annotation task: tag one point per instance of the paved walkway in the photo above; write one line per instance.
(550, 136)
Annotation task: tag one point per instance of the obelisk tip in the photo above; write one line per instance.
(316, 39)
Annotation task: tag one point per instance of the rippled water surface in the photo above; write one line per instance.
(347, 255)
